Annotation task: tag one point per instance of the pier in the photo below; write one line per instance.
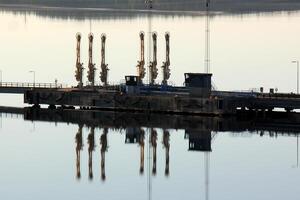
(133, 97)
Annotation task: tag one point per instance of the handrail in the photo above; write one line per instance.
(32, 85)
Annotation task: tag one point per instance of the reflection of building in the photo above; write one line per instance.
(133, 135)
(137, 135)
(103, 149)
(79, 145)
(91, 148)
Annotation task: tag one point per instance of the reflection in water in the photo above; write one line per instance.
(142, 150)
(166, 143)
(103, 149)
(137, 135)
(91, 148)
(199, 131)
(153, 137)
(79, 146)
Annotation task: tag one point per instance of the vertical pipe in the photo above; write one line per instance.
(104, 68)
(91, 65)
(141, 62)
(79, 68)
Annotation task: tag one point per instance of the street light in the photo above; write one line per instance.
(33, 77)
(0, 77)
(297, 62)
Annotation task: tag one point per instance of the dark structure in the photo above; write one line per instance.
(196, 97)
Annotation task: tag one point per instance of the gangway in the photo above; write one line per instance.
(21, 87)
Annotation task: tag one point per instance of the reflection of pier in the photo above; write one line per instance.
(275, 123)
(272, 123)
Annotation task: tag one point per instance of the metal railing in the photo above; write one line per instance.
(31, 85)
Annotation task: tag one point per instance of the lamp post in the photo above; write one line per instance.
(33, 77)
(297, 62)
(0, 77)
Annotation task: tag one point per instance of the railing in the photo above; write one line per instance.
(32, 85)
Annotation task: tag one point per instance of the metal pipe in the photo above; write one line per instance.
(79, 68)
(91, 65)
(104, 68)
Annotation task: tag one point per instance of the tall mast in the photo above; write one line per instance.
(207, 38)
(149, 4)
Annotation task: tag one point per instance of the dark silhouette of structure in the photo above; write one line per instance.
(153, 138)
(103, 149)
(79, 146)
(166, 143)
(91, 148)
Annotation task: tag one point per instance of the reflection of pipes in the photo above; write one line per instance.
(79, 145)
(154, 145)
(91, 148)
(91, 66)
(166, 143)
(104, 68)
(153, 72)
(142, 147)
(140, 67)
(166, 65)
(79, 68)
(103, 149)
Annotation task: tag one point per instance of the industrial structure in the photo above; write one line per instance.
(104, 68)
(197, 96)
(153, 71)
(141, 71)
(166, 65)
(79, 65)
(91, 65)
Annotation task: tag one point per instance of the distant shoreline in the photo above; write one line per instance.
(114, 13)
(188, 8)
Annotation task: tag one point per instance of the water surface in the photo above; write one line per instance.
(162, 158)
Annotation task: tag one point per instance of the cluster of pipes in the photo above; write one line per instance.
(153, 71)
(91, 65)
(141, 71)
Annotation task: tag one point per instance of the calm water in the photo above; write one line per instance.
(145, 160)
(43, 159)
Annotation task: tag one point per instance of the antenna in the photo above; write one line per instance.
(149, 5)
(90, 25)
(207, 38)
